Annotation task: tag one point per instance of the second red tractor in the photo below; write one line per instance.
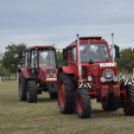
(38, 74)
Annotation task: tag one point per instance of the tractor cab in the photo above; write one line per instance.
(39, 56)
(40, 70)
(91, 58)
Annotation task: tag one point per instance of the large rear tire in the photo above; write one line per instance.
(22, 87)
(129, 103)
(31, 89)
(66, 97)
(111, 104)
(83, 104)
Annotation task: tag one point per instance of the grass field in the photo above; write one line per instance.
(44, 117)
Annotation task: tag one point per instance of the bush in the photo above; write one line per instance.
(5, 72)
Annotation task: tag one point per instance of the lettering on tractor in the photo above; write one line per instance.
(38, 74)
(92, 74)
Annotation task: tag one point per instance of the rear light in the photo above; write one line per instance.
(54, 74)
(48, 75)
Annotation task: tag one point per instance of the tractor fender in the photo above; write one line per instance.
(67, 70)
(25, 72)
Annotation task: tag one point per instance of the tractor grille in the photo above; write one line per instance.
(84, 71)
(108, 74)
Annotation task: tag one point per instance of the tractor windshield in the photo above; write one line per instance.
(47, 58)
(96, 52)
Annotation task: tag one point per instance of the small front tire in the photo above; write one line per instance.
(111, 104)
(31, 90)
(83, 104)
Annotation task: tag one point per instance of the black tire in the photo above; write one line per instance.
(83, 104)
(53, 95)
(66, 105)
(111, 104)
(22, 87)
(31, 90)
(129, 106)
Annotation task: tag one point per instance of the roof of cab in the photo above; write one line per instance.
(90, 38)
(40, 47)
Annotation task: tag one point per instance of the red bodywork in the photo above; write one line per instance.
(95, 70)
(41, 74)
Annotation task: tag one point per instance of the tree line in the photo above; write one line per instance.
(9, 61)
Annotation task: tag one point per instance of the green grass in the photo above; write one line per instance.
(44, 117)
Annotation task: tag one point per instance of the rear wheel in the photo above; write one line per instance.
(22, 87)
(53, 95)
(129, 102)
(83, 104)
(66, 86)
(31, 91)
(111, 104)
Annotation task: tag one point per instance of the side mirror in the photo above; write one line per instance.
(65, 54)
(117, 51)
(21, 54)
(91, 61)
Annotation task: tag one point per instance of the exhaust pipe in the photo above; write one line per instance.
(113, 46)
(79, 59)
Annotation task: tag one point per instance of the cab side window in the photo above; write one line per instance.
(34, 59)
(27, 60)
(73, 54)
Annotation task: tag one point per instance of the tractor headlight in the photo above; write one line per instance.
(115, 79)
(103, 79)
(89, 78)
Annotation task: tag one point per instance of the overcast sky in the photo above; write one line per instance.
(45, 22)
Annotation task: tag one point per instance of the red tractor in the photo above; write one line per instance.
(39, 73)
(91, 73)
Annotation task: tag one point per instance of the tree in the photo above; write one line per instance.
(4, 72)
(10, 59)
(126, 61)
(59, 59)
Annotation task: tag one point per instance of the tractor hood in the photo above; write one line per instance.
(106, 70)
(48, 74)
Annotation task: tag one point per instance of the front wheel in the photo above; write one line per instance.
(111, 104)
(31, 90)
(83, 104)
(129, 102)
